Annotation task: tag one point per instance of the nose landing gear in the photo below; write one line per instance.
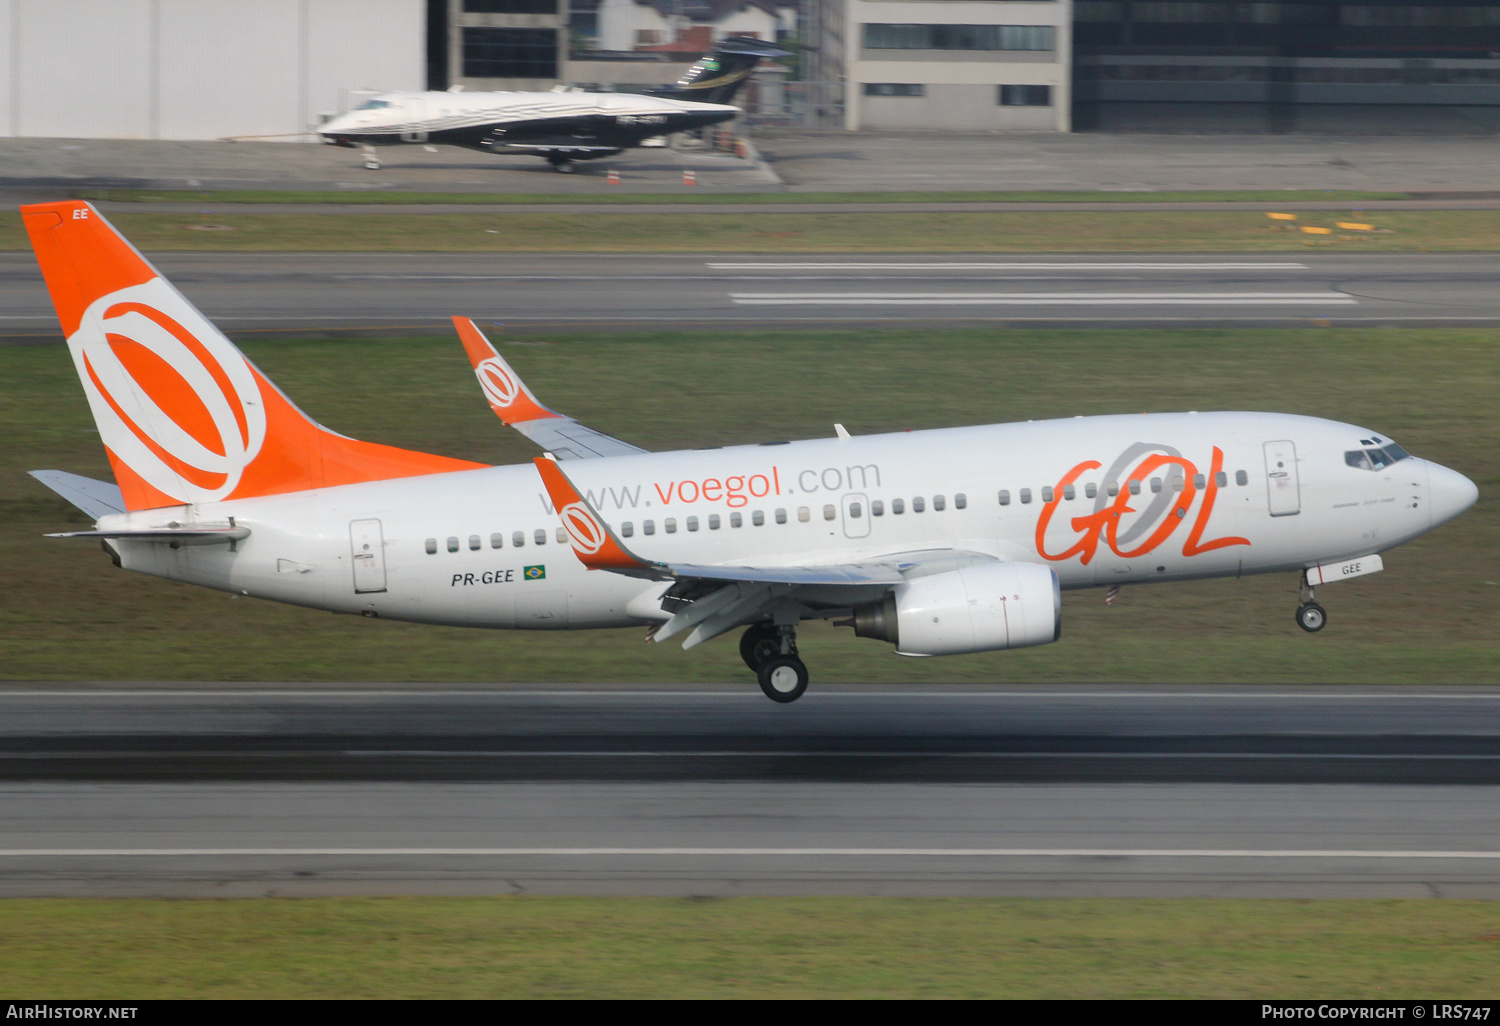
(1311, 617)
(771, 651)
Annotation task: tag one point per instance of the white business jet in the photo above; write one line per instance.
(938, 542)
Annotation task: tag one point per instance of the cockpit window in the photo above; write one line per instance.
(372, 105)
(1376, 458)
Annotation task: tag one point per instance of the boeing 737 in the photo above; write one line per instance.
(937, 542)
(562, 126)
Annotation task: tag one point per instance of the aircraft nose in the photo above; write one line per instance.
(1451, 493)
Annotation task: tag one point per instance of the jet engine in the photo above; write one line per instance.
(975, 609)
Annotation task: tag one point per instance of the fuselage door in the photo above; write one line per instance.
(367, 546)
(856, 515)
(1283, 492)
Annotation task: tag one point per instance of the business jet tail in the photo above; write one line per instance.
(183, 415)
(718, 74)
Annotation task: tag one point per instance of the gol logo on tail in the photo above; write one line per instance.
(587, 536)
(499, 386)
(173, 399)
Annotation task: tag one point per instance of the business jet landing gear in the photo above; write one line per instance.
(372, 162)
(1311, 617)
(771, 652)
(562, 165)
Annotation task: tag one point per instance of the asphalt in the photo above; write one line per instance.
(382, 293)
(1305, 792)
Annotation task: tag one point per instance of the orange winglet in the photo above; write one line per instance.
(507, 394)
(184, 417)
(595, 544)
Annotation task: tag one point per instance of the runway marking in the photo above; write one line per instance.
(1169, 853)
(1042, 299)
(1027, 266)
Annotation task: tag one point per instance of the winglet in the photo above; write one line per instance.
(508, 395)
(593, 542)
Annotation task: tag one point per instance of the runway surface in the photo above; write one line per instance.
(1038, 791)
(404, 293)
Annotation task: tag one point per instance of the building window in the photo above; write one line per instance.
(510, 53)
(894, 89)
(510, 6)
(1025, 96)
(958, 37)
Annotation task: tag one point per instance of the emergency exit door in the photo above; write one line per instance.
(856, 515)
(367, 546)
(1283, 491)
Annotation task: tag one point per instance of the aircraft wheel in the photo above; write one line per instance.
(759, 643)
(565, 167)
(783, 678)
(1311, 617)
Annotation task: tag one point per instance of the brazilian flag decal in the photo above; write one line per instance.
(535, 573)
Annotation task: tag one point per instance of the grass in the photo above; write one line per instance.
(376, 196)
(547, 947)
(67, 615)
(773, 232)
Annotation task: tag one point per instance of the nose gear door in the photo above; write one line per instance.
(1283, 491)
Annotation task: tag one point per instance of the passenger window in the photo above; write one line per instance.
(562, 535)
(518, 539)
(1199, 480)
(1135, 487)
(898, 506)
(452, 544)
(627, 529)
(1004, 497)
(692, 523)
(1069, 493)
(713, 522)
(855, 511)
(670, 524)
(830, 512)
(939, 503)
(1155, 485)
(1178, 482)
(758, 518)
(781, 516)
(497, 540)
(1047, 493)
(540, 536)
(474, 543)
(1025, 494)
(736, 520)
(1090, 490)
(960, 501)
(803, 514)
(877, 508)
(1112, 488)
(649, 527)
(918, 504)
(431, 546)
(1241, 478)
(1221, 479)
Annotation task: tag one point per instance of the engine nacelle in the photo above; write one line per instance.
(975, 609)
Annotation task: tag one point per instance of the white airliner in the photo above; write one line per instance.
(939, 542)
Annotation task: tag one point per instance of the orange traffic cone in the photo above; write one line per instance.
(689, 177)
(614, 177)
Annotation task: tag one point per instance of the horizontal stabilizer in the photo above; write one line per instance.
(171, 535)
(96, 498)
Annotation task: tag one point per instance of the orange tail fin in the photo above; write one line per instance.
(184, 416)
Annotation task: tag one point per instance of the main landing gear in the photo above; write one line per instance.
(771, 651)
(562, 165)
(1311, 617)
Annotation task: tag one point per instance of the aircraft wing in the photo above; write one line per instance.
(515, 405)
(710, 600)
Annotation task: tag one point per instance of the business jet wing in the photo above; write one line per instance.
(710, 600)
(515, 405)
